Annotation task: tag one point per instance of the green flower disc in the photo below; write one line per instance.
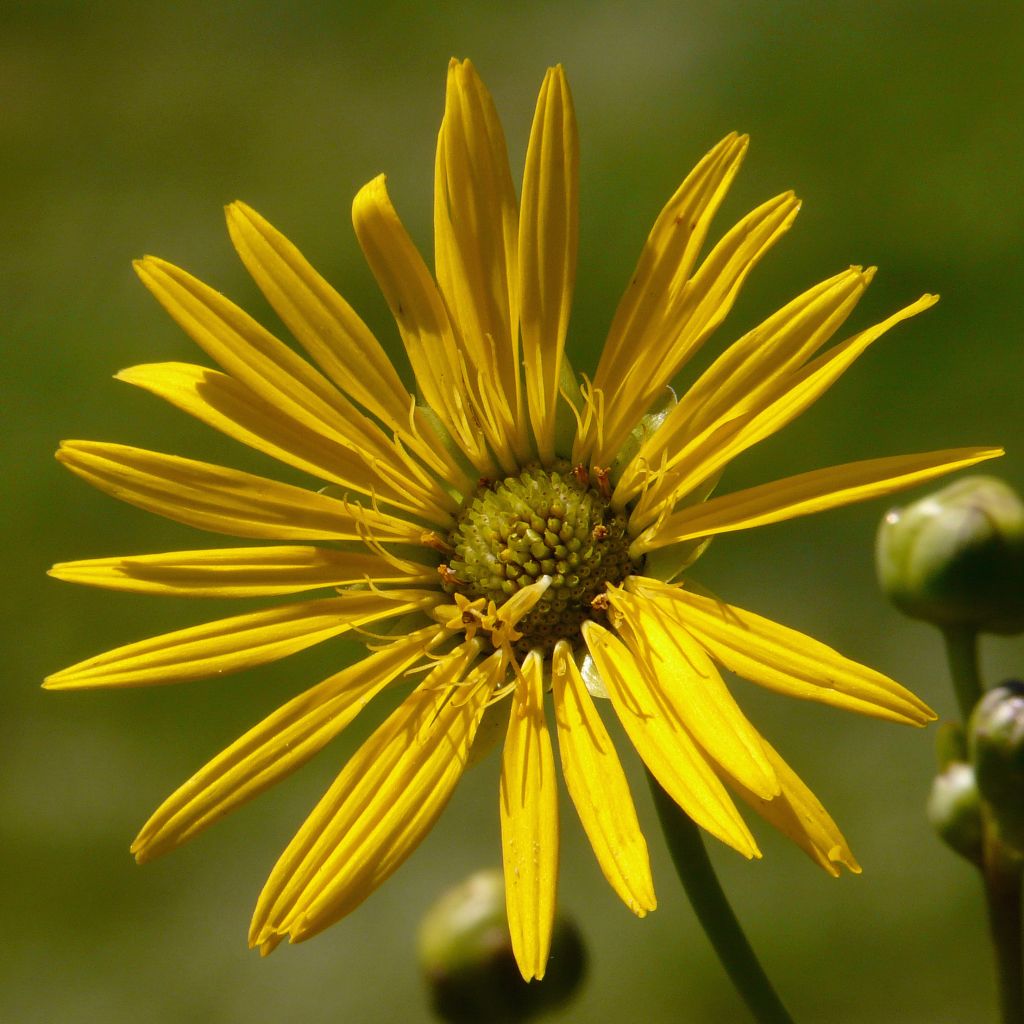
(543, 522)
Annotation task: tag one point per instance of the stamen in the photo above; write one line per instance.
(448, 576)
(431, 540)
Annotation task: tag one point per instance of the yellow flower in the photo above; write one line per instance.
(511, 530)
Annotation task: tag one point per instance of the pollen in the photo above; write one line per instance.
(543, 522)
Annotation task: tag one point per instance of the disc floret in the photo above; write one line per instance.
(543, 522)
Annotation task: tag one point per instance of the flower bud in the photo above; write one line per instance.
(465, 952)
(996, 738)
(956, 557)
(954, 810)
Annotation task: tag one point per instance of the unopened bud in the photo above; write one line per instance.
(956, 557)
(465, 952)
(954, 810)
(996, 738)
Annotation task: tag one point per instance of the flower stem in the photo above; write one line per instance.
(962, 655)
(714, 912)
(1002, 877)
(1000, 871)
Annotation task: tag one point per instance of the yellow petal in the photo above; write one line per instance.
(749, 368)
(254, 356)
(236, 643)
(782, 659)
(334, 335)
(668, 255)
(798, 814)
(422, 319)
(693, 313)
(381, 805)
(806, 493)
(241, 572)
(476, 226)
(653, 725)
(226, 500)
(777, 347)
(321, 320)
(728, 437)
(277, 746)
(529, 823)
(230, 407)
(548, 240)
(689, 682)
(598, 787)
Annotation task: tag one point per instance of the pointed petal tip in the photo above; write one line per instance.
(240, 216)
(643, 904)
(260, 936)
(377, 184)
(530, 971)
(838, 855)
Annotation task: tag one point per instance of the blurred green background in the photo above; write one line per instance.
(127, 126)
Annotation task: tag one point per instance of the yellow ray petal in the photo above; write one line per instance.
(548, 240)
(798, 814)
(236, 643)
(226, 500)
(598, 787)
(529, 823)
(422, 319)
(653, 725)
(241, 572)
(777, 347)
(692, 315)
(381, 805)
(230, 407)
(319, 318)
(332, 333)
(665, 263)
(668, 255)
(254, 356)
(277, 746)
(476, 226)
(806, 493)
(689, 682)
(782, 659)
(728, 437)
(748, 368)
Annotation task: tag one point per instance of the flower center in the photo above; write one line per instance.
(540, 523)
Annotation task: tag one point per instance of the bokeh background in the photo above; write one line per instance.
(126, 127)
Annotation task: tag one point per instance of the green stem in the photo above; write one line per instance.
(714, 912)
(1000, 872)
(1002, 876)
(962, 655)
